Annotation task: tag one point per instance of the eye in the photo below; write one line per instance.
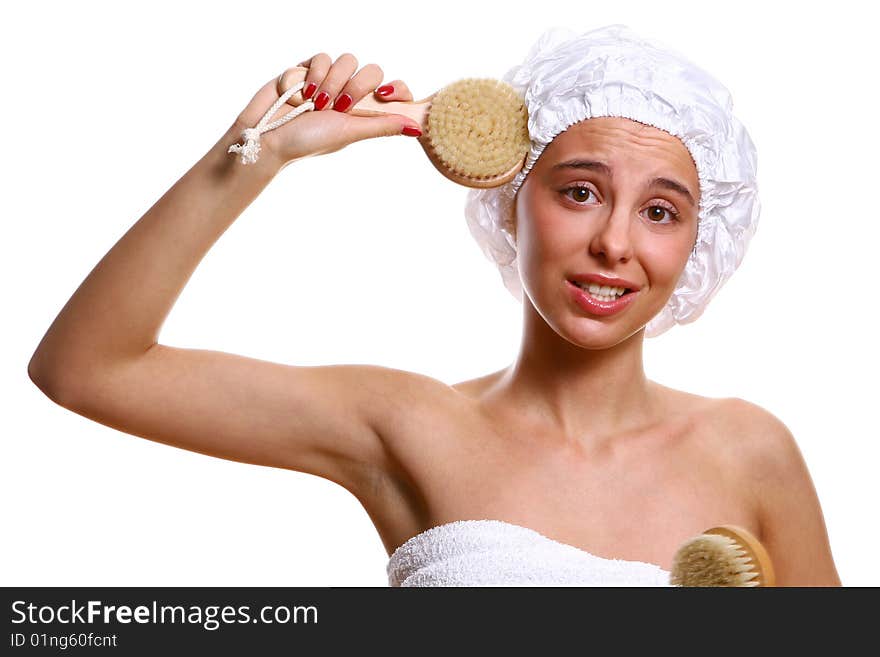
(667, 209)
(582, 193)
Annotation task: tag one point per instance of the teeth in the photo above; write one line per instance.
(604, 292)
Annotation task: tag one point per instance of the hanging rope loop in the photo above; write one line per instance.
(250, 150)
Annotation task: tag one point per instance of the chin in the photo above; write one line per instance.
(598, 333)
(611, 340)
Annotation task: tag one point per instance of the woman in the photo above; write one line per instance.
(569, 466)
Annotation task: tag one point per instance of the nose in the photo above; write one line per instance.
(612, 237)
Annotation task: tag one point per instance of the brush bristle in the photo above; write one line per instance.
(478, 128)
(713, 560)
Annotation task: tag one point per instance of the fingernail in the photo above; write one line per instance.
(385, 90)
(412, 132)
(322, 100)
(310, 89)
(342, 103)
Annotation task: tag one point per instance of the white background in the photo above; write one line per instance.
(106, 105)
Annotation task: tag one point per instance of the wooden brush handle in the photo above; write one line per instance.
(367, 106)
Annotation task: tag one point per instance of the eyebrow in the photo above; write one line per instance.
(601, 167)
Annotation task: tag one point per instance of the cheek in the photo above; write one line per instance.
(545, 243)
(664, 260)
(544, 229)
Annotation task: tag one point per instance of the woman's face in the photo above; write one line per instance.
(591, 204)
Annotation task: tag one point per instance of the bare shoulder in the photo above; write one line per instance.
(759, 446)
(764, 445)
(404, 393)
(406, 403)
(757, 432)
(398, 404)
(793, 527)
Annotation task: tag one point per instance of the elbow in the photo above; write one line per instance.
(45, 382)
(49, 380)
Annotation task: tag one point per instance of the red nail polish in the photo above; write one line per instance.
(342, 103)
(385, 90)
(322, 100)
(310, 89)
(412, 132)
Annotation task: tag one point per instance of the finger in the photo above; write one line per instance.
(337, 77)
(363, 83)
(318, 66)
(398, 91)
(386, 125)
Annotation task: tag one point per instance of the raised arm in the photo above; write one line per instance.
(101, 357)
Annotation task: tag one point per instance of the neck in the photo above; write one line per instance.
(585, 395)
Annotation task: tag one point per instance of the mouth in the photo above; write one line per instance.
(604, 293)
(601, 303)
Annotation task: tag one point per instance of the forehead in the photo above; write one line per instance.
(624, 142)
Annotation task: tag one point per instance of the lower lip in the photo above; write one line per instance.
(583, 299)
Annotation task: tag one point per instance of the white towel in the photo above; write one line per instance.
(499, 553)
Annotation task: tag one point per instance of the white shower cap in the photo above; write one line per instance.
(611, 71)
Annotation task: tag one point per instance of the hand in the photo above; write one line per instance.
(317, 132)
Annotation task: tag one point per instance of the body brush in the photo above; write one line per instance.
(726, 555)
(474, 131)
